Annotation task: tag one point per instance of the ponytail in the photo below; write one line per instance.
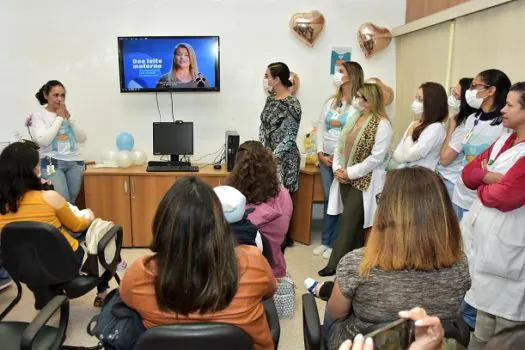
(45, 89)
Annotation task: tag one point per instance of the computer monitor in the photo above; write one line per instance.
(173, 138)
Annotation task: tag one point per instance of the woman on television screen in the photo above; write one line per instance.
(184, 71)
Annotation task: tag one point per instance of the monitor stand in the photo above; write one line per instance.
(174, 160)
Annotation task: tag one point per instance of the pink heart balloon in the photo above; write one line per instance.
(307, 26)
(373, 39)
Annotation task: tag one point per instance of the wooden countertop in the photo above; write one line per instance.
(206, 170)
(310, 170)
(140, 170)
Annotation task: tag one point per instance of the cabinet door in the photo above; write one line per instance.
(108, 197)
(213, 181)
(146, 194)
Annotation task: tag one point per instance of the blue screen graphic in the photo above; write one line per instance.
(146, 63)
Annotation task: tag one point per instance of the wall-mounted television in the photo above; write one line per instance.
(169, 63)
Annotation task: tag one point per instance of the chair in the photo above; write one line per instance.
(455, 329)
(312, 329)
(195, 336)
(39, 256)
(206, 336)
(36, 335)
(273, 320)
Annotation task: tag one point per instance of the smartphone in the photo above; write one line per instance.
(395, 335)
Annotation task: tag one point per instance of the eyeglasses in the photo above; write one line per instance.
(361, 97)
(475, 86)
(378, 197)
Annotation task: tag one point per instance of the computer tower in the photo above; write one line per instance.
(232, 145)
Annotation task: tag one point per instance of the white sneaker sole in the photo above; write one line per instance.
(6, 285)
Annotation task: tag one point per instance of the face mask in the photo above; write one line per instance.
(417, 107)
(472, 99)
(454, 103)
(356, 105)
(338, 79)
(266, 86)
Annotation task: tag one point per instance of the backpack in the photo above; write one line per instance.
(117, 327)
(96, 231)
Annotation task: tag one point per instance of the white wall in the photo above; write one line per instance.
(75, 42)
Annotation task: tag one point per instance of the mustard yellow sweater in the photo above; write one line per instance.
(33, 207)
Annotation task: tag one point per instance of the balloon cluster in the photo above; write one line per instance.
(125, 156)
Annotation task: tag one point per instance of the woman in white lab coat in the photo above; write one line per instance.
(494, 228)
(359, 172)
(422, 141)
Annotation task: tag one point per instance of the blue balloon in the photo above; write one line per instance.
(125, 141)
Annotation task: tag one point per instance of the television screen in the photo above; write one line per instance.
(173, 64)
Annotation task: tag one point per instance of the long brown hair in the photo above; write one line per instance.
(357, 78)
(17, 174)
(435, 107)
(255, 173)
(415, 226)
(194, 68)
(197, 269)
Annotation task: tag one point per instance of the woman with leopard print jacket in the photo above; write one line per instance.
(359, 172)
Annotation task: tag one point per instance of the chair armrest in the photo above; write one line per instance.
(273, 320)
(59, 302)
(115, 231)
(313, 336)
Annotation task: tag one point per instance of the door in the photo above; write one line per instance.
(108, 197)
(146, 194)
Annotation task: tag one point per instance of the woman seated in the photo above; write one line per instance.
(413, 257)
(23, 197)
(255, 175)
(196, 273)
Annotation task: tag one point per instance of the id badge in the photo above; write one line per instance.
(50, 169)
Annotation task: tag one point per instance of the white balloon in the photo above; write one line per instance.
(139, 157)
(124, 159)
(109, 156)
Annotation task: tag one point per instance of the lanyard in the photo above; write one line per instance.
(469, 134)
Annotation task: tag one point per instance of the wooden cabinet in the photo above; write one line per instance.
(146, 194)
(130, 197)
(213, 181)
(108, 197)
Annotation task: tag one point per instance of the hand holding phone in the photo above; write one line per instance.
(429, 332)
(394, 335)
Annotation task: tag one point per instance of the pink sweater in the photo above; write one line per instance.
(272, 219)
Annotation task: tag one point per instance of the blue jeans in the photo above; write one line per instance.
(459, 211)
(469, 314)
(67, 178)
(327, 324)
(450, 187)
(330, 222)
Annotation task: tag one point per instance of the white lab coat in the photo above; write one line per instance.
(425, 151)
(373, 163)
(494, 242)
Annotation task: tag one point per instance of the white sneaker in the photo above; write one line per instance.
(320, 250)
(327, 253)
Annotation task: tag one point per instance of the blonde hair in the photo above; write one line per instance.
(374, 95)
(415, 226)
(194, 69)
(356, 76)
